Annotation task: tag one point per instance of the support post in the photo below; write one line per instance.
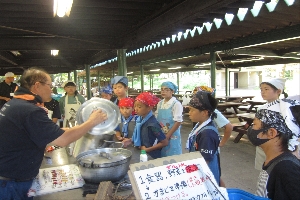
(151, 81)
(98, 80)
(177, 73)
(213, 70)
(227, 84)
(122, 68)
(142, 77)
(75, 77)
(132, 81)
(78, 84)
(88, 81)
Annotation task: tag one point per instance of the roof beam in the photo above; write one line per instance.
(8, 58)
(48, 43)
(188, 10)
(264, 63)
(254, 52)
(273, 35)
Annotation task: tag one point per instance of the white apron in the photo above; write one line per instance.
(70, 119)
(70, 112)
(50, 113)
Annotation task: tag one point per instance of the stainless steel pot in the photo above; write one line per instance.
(105, 164)
(90, 142)
(111, 109)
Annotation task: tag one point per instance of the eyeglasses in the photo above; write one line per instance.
(50, 85)
(165, 89)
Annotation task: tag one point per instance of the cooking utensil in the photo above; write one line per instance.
(90, 142)
(111, 109)
(112, 143)
(106, 164)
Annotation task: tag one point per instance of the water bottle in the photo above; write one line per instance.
(143, 156)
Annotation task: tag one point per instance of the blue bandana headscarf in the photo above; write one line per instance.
(106, 89)
(119, 79)
(170, 85)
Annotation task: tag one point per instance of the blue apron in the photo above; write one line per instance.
(165, 118)
(214, 164)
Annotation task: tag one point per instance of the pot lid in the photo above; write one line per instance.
(102, 157)
(111, 109)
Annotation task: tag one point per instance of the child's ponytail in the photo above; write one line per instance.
(285, 94)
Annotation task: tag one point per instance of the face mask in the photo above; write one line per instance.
(252, 136)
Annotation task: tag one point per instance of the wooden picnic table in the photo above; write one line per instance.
(254, 105)
(246, 121)
(223, 106)
(234, 98)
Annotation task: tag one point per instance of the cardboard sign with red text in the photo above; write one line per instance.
(176, 179)
(55, 179)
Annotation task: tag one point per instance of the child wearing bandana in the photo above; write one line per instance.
(204, 136)
(106, 92)
(120, 88)
(127, 125)
(276, 130)
(147, 134)
(220, 121)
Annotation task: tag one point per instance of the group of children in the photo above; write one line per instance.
(158, 133)
(275, 130)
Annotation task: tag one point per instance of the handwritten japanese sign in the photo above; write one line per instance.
(56, 179)
(190, 179)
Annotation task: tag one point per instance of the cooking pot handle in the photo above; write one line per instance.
(105, 155)
(107, 141)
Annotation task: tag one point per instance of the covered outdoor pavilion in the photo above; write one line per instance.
(137, 36)
(264, 48)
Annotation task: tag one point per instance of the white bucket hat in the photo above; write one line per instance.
(9, 74)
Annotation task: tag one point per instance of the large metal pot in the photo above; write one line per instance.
(90, 142)
(105, 164)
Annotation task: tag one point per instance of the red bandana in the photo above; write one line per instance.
(126, 102)
(147, 98)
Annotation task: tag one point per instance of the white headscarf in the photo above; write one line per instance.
(278, 115)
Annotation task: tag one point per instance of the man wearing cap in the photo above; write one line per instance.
(7, 88)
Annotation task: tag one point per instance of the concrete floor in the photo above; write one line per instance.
(237, 163)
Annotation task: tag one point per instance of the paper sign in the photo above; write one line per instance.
(56, 179)
(190, 179)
